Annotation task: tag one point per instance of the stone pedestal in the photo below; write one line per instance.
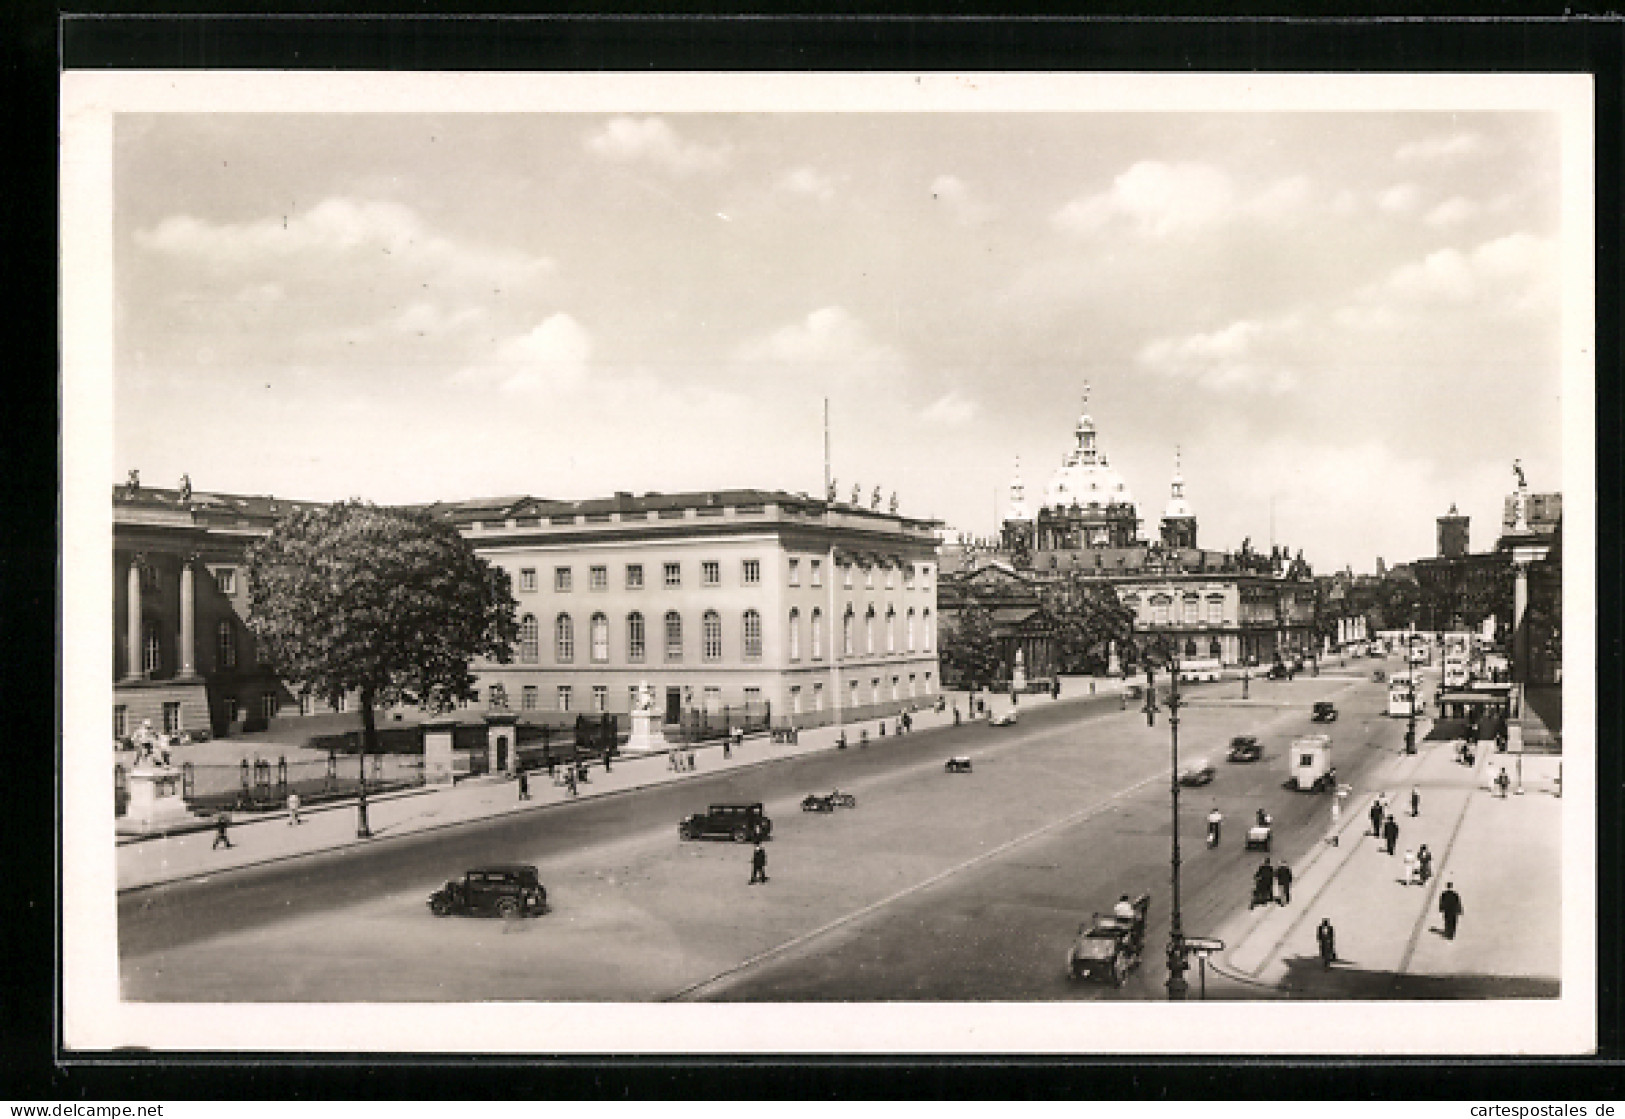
(1018, 674)
(1114, 667)
(155, 797)
(437, 752)
(648, 735)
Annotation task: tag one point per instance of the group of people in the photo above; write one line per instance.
(1271, 884)
(680, 761)
(152, 747)
(1383, 824)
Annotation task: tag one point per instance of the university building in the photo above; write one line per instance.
(817, 611)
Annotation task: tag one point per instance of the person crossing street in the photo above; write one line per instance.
(1450, 909)
(1283, 884)
(758, 865)
(1326, 939)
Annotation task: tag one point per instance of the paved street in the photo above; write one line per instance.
(938, 886)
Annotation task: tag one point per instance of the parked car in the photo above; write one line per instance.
(1325, 712)
(1244, 748)
(1260, 834)
(742, 823)
(499, 891)
(812, 802)
(1279, 671)
(1004, 718)
(1198, 772)
(957, 765)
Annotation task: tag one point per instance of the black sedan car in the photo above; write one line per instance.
(1244, 748)
(492, 891)
(1324, 713)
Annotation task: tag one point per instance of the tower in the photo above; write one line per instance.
(1452, 534)
(1178, 522)
(1017, 531)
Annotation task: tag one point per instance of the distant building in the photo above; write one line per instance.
(1452, 534)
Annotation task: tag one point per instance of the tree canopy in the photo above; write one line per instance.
(1088, 616)
(968, 649)
(390, 603)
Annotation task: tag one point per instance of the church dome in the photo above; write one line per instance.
(1085, 476)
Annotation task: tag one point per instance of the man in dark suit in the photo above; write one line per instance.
(1450, 909)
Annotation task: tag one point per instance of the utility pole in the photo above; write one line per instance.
(1177, 952)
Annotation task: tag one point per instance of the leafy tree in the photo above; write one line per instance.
(391, 604)
(968, 648)
(1088, 616)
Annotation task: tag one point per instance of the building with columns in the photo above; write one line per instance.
(819, 611)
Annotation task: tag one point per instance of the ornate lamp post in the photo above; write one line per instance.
(1410, 723)
(1177, 951)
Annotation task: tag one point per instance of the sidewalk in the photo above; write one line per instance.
(272, 838)
(1502, 854)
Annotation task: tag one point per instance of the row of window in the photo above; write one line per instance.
(152, 646)
(750, 575)
(1191, 608)
(564, 636)
(530, 695)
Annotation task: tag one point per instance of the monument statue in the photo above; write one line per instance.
(857, 493)
(186, 488)
(646, 698)
(132, 485)
(894, 503)
(829, 494)
(874, 499)
(1517, 468)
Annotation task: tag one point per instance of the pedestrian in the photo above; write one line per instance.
(956, 722)
(728, 747)
(607, 767)
(1055, 688)
(1283, 883)
(1450, 909)
(1410, 866)
(1326, 937)
(1502, 782)
(524, 785)
(908, 723)
(1424, 865)
(1416, 801)
(570, 782)
(1263, 884)
(1390, 833)
(758, 864)
(1376, 817)
(293, 809)
(221, 822)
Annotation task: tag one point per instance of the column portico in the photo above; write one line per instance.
(188, 620)
(132, 629)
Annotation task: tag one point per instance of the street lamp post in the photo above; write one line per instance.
(1410, 723)
(1177, 952)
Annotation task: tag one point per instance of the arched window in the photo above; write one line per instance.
(600, 638)
(634, 636)
(869, 631)
(711, 636)
(674, 636)
(530, 640)
(753, 634)
(226, 642)
(1213, 647)
(152, 650)
(910, 634)
(846, 633)
(795, 634)
(1190, 646)
(891, 631)
(926, 619)
(564, 639)
(817, 634)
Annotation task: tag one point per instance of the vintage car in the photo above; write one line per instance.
(1244, 748)
(1198, 772)
(812, 802)
(1109, 946)
(960, 764)
(742, 823)
(1004, 718)
(1279, 671)
(499, 891)
(1310, 759)
(1324, 712)
(1260, 834)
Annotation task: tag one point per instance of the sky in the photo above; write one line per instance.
(1352, 319)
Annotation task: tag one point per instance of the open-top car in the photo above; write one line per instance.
(1325, 712)
(1244, 748)
(812, 802)
(1004, 718)
(1279, 671)
(492, 891)
(1198, 772)
(1108, 945)
(960, 764)
(1261, 833)
(742, 823)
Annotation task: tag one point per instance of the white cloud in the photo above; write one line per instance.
(1440, 148)
(830, 339)
(551, 357)
(1156, 199)
(1453, 211)
(956, 196)
(951, 410)
(1517, 270)
(1282, 198)
(1401, 198)
(381, 235)
(424, 317)
(651, 139)
(807, 181)
(1233, 358)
